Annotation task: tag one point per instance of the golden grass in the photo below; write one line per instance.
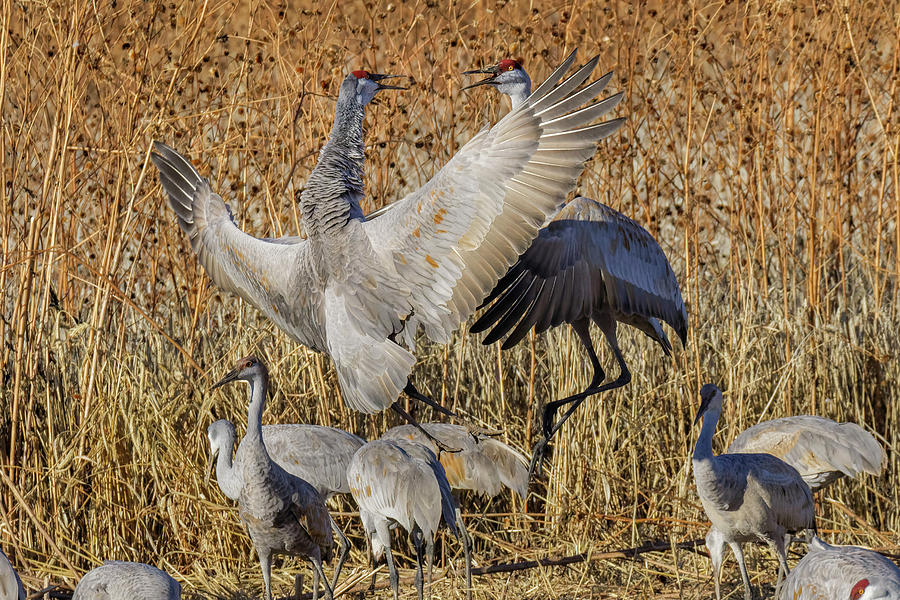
(760, 149)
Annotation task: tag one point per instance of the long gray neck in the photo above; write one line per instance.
(258, 387)
(703, 450)
(335, 187)
(520, 94)
(226, 476)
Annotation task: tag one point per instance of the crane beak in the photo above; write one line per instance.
(230, 376)
(377, 77)
(209, 467)
(487, 80)
(704, 404)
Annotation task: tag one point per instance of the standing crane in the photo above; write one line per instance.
(400, 482)
(482, 465)
(589, 263)
(119, 580)
(820, 449)
(842, 573)
(316, 454)
(283, 513)
(748, 497)
(360, 290)
(11, 587)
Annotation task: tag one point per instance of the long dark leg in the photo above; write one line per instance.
(467, 551)
(417, 543)
(608, 327)
(345, 550)
(582, 328)
(411, 391)
(298, 586)
(429, 561)
(384, 537)
(315, 582)
(320, 574)
(442, 447)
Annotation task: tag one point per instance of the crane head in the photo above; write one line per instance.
(365, 85)
(507, 76)
(221, 435)
(859, 589)
(875, 588)
(246, 369)
(710, 397)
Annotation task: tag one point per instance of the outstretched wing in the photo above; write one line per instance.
(452, 239)
(588, 257)
(269, 274)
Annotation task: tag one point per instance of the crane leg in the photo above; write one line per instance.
(320, 574)
(429, 562)
(315, 582)
(384, 536)
(467, 551)
(608, 326)
(265, 563)
(778, 545)
(442, 447)
(411, 391)
(345, 550)
(739, 556)
(417, 544)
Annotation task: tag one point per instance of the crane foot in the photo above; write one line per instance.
(537, 459)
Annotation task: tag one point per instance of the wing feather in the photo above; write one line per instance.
(591, 257)
(269, 274)
(815, 446)
(460, 232)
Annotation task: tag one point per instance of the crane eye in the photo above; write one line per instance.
(510, 68)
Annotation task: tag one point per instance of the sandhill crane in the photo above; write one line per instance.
(842, 573)
(820, 449)
(748, 497)
(482, 465)
(10, 585)
(283, 513)
(119, 580)
(399, 482)
(358, 289)
(590, 263)
(318, 455)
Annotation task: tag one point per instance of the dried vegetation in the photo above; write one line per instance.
(761, 149)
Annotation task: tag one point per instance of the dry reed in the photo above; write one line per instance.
(760, 149)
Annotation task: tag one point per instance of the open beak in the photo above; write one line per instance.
(491, 70)
(230, 376)
(378, 77)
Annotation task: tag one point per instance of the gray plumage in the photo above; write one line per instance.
(357, 289)
(11, 587)
(317, 454)
(819, 448)
(400, 482)
(748, 497)
(589, 263)
(842, 573)
(117, 580)
(483, 464)
(283, 513)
